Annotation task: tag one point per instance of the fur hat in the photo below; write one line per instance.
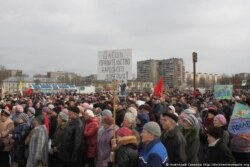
(153, 128)
(170, 115)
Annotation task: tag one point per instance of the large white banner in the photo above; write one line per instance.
(115, 65)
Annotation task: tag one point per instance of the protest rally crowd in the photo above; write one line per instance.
(64, 130)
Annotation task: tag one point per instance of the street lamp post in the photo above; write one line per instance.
(194, 69)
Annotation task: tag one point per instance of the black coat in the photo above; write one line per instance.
(175, 144)
(72, 142)
(219, 153)
(127, 153)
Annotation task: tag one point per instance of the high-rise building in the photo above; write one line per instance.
(147, 71)
(171, 70)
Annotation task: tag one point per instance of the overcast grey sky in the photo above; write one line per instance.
(49, 35)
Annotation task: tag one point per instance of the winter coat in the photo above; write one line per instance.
(219, 153)
(127, 152)
(20, 132)
(153, 155)
(6, 128)
(90, 135)
(240, 145)
(38, 146)
(175, 144)
(104, 147)
(57, 139)
(193, 144)
(72, 141)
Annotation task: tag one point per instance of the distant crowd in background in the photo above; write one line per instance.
(73, 130)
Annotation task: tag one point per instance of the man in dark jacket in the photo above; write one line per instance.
(173, 139)
(70, 151)
(218, 152)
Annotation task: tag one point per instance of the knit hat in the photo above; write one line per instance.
(19, 108)
(89, 113)
(153, 128)
(74, 109)
(106, 112)
(170, 115)
(5, 112)
(189, 111)
(108, 120)
(221, 118)
(32, 110)
(143, 118)
(124, 131)
(215, 132)
(63, 116)
(191, 119)
(24, 117)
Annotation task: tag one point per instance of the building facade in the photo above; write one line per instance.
(148, 71)
(204, 80)
(171, 70)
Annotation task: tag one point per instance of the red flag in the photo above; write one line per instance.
(28, 92)
(159, 88)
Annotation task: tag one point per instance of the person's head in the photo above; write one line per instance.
(88, 114)
(171, 109)
(212, 112)
(107, 122)
(62, 118)
(168, 121)
(213, 134)
(145, 108)
(219, 120)
(31, 111)
(129, 120)
(123, 132)
(150, 132)
(189, 121)
(73, 112)
(5, 114)
(39, 120)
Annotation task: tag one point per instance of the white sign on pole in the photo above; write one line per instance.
(115, 65)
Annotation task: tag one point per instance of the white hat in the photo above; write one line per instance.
(90, 113)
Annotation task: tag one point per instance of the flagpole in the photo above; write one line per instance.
(114, 116)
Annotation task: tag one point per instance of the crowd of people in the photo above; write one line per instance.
(64, 130)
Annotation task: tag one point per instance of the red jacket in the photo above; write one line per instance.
(90, 135)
